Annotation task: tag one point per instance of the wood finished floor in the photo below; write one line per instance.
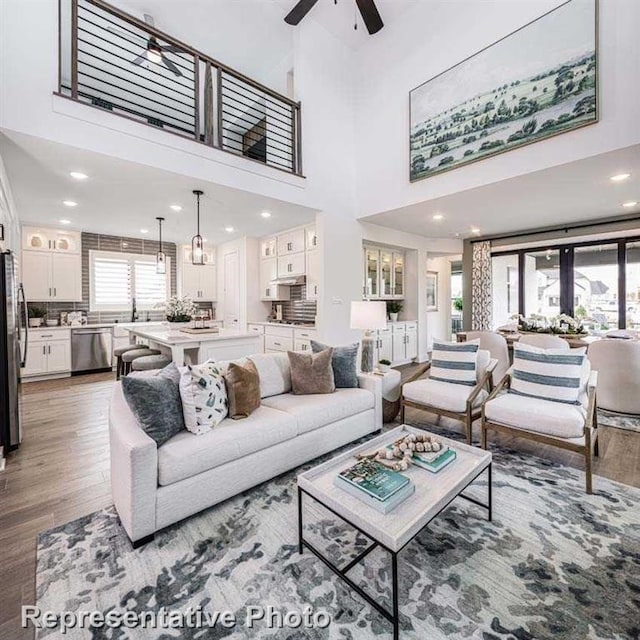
(61, 472)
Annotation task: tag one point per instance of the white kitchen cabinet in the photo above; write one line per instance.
(384, 271)
(268, 273)
(313, 274)
(301, 345)
(209, 255)
(291, 265)
(199, 282)
(48, 352)
(50, 240)
(397, 287)
(36, 360)
(58, 357)
(258, 330)
(311, 242)
(386, 274)
(371, 273)
(405, 342)
(268, 248)
(291, 242)
(51, 276)
(278, 343)
(384, 347)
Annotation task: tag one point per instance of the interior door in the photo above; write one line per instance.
(231, 290)
(36, 274)
(66, 278)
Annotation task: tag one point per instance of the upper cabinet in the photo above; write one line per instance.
(268, 248)
(209, 254)
(199, 282)
(384, 271)
(36, 239)
(51, 265)
(311, 238)
(291, 242)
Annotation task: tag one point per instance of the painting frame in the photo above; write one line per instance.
(518, 144)
(431, 293)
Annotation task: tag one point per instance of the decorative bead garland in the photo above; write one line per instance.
(400, 457)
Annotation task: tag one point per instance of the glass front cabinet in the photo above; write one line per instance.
(383, 273)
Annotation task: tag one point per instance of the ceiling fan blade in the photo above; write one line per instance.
(139, 60)
(299, 11)
(170, 48)
(370, 15)
(149, 20)
(126, 35)
(172, 67)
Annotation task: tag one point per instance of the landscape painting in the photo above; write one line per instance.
(537, 82)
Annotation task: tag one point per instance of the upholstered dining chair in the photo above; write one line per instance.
(618, 365)
(544, 341)
(457, 401)
(496, 345)
(567, 425)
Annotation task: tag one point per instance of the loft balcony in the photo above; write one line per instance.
(115, 62)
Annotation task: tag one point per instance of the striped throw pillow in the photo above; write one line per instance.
(549, 374)
(455, 362)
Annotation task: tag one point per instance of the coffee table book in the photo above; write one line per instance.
(374, 479)
(382, 506)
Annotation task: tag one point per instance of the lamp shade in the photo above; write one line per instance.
(368, 315)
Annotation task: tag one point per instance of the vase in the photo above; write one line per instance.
(393, 317)
(383, 367)
(34, 323)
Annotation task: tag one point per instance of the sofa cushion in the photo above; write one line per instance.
(455, 362)
(552, 418)
(311, 373)
(441, 395)
(344, 363)
(318, 410)
(186, 454)
(243, 389)
(204, 397)
(275, 373)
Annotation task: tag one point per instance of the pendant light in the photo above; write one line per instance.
(197, 244)
(161, 258)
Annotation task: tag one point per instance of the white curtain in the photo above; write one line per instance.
(481, 308)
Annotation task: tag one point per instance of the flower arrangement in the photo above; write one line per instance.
(563, 324)
(179, 309)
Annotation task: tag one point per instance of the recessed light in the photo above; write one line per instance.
(631, 203)
(175, 207)
(475, 230)
(620, 177)
(438, 216)
(229, 229)
(78, 175)
(69, 203)
(144, 230)
(63, 221)
(265, 214)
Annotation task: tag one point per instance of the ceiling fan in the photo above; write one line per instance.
(153, 52)
(368, 11)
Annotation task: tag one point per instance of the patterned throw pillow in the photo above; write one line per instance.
(550, 374)
(204, 397)
(455, 362)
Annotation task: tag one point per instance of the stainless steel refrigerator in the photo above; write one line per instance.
(13, 350)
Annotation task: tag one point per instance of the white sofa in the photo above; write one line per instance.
(154, 487)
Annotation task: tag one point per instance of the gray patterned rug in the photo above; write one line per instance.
(619, 420)
(554, 563)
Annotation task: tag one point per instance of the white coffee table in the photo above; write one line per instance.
(393, 531)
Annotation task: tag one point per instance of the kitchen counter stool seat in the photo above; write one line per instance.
(150, 362)
(129, 356)
(118, 352)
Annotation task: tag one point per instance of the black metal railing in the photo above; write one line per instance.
(123, 65)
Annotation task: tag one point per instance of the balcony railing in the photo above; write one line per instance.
(118, 63)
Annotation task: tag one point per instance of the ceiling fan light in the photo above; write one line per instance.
(154, 55)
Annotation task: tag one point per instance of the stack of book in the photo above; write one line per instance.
(375, 485)
(433, 460)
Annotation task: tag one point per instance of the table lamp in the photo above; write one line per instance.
(368, 316)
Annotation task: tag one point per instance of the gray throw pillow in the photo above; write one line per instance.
(311, 373)
(156, 404)
(344, 363)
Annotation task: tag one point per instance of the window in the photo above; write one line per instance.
(115, 279)
(542, 283)
(505, 282)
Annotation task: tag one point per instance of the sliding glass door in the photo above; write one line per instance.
(505, 280)
(542, 283)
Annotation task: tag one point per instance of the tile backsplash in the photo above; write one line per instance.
(298, 308)
(99, 242)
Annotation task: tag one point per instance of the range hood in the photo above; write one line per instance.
(289, 281)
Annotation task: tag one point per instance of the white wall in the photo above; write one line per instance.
(434, 36)
(439, 322)
(8, 214)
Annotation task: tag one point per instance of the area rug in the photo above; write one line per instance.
(554, 563)
(618, 420)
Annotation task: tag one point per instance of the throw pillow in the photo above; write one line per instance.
(312, 373)
(455, 362)
(274, 372)
(155, 402)
(344, 363)
(204, 397)
(243, 389)
(550, 374)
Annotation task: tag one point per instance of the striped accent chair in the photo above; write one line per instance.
(454, 384)
(549, 396)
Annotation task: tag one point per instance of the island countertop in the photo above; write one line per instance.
(192, 348)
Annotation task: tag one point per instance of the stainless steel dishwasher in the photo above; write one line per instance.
(91, 349)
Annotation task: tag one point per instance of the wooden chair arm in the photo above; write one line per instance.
(591, 395)
(505, 382)
(486, 378)
(418, 374)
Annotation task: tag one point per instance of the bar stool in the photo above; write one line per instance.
(119, 352)
(149, 363)
(130, 356)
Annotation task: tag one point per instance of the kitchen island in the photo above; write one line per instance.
(190, 348)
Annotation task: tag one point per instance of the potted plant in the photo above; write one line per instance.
(179, 311)
(384, 365)
(458, 305)
(393, 309)
(36, 316)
